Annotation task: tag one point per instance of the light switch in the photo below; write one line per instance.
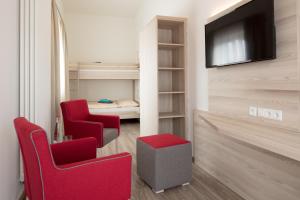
(253, 111)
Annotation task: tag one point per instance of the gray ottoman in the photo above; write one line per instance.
(164, 161)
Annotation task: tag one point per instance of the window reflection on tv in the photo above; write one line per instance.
(244, 35)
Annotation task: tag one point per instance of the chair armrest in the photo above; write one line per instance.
(109, 121)
(74, 151)
(102, 178)
(83, 129)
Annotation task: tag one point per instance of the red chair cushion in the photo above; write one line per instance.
(163, 140)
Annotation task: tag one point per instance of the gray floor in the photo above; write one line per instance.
(202, 187)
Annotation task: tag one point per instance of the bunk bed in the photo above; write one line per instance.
(126, 108)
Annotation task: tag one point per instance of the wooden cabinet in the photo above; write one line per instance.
(163, 65)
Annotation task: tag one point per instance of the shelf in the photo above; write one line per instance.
(172, 92)
(170, 69)
(170, 115)
(169, 45)
(163, 59)
(170, 22)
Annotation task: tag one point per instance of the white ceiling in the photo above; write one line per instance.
(117, 8)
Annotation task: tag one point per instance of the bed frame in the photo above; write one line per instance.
(98, 71)
(94, 71)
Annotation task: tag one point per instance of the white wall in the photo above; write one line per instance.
(9, 81)
(9, 101)
(43, 64)
(150, 8)
(94, 90)
(107, 39)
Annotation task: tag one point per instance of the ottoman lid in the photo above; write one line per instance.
(163, 140)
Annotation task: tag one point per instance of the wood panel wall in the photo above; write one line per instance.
(270, 84)
(246, 163)
(257, 158)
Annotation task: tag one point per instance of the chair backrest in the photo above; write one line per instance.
(31, 138)
(75, 109)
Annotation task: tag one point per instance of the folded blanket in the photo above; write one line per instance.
(105, 101)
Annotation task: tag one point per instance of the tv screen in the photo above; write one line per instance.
(245, 35)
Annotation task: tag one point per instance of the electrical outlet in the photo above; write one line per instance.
(277, 115)
(270, 114)
(253, 111)
(260, 112)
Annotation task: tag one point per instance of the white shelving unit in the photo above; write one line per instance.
(163, 66)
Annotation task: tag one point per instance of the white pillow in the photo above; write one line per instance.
(127, 103)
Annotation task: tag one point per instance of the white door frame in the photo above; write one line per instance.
(35, 63)
(27, 64)
(27, 59)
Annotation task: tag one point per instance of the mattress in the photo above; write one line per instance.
(126, 109)
(115, 110)
(115, 104)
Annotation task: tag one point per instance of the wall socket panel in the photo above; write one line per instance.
(253, 111)
(266, 113)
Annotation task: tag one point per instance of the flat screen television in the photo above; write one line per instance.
(245, 35)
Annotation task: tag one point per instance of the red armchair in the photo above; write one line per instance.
(70, 170)
(79, 123)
